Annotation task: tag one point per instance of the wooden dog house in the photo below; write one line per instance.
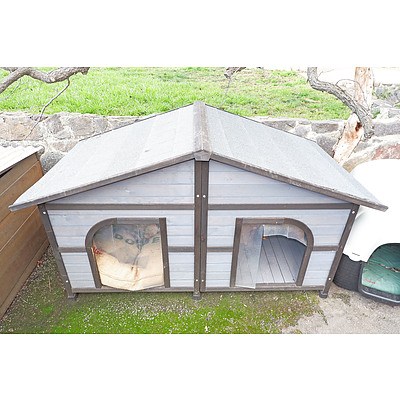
(197, 199)
(22, 236)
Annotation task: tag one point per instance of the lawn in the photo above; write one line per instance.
(144, 91)
(42, 307)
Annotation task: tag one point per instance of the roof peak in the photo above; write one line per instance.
(202, 147)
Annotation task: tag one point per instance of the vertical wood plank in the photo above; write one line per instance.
(267, 276)
(164, 248)
(235, 252)
(273, 262)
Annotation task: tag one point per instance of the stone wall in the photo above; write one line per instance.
(58, 133)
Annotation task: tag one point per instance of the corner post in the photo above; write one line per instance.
(54, 245)
(335, 264)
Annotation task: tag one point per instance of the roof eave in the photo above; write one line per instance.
(57, 196)
(299, 183)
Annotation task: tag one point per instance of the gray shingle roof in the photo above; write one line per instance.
(201, 132)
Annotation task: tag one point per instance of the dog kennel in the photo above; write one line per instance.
(197, 199)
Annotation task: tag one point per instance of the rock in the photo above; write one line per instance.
(325, 126)
(356, 159)
(396, 95)
(119, 122)
(389, 93)
(390, 126)
(286, 125)
(64, 145)
(379, 91)
(302, 130)
(78, 125)
(363, 145)
(327, 143)
(394, 112)
(49, 159)
(16, 126)
(56, 129)
(374, 150)
(100, 124)
(387, 151)
(379, 109)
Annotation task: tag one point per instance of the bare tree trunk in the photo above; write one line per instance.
(353, 130)
(360, 110)
(350, 138)
(363, 86)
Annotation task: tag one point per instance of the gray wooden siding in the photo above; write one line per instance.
(72, 226)
(80, 274)
(171, 185)
(78, 270)
(326, 225)
(318, 267)
(218, 269)
(181, 269)
(231, 185)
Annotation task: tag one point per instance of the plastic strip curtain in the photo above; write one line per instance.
(250, 246)
(249, 255)
(129, 256)
(286, 230)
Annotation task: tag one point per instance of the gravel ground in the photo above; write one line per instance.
(348, 312)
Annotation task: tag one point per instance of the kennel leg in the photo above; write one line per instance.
(196, 296)
(322, 294)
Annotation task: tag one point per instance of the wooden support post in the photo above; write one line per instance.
(200, 227)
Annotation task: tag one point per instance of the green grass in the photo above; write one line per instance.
(42, 307)
(144, 91)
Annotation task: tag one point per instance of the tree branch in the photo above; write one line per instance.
(229, 71)
(46, 105)
(14, 75)
(362, 112)
(57, 75)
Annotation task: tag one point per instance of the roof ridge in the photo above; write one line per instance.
(202, 144)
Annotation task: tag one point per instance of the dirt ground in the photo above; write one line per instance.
(345, 312)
